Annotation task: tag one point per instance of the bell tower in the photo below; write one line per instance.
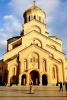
(34, 18)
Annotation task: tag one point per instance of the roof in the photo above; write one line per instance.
(34, 7)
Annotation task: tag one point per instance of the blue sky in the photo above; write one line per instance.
(11, 19)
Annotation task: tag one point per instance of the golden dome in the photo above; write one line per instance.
(34, 12)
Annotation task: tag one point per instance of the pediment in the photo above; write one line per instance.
(34, 32)
(42, 53)
(34, 35)
(33, 48)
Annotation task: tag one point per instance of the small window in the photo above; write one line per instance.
(34, 17)
(44, 65)
(53, 72)
(31, 60)
(29, 18)
(39, 18)
(25, 20)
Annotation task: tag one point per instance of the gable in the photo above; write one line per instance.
(42, 53)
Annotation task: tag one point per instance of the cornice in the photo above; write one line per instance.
(43, 50)
(43, 36)
(35, 21)
(55, 49)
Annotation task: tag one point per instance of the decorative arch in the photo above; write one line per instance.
(25, 64)
(33, 59)
(12, 74)
(23, 79)
(34, 76)
(61, 61)
(54, 72)
(34, 41)
(53, 46)
(13, 69)
(51, 55)
(33, 27)
(44, 65)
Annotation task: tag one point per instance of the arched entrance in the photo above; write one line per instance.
(12, 80)
(44, 80)
(34, 75)
(23, 82)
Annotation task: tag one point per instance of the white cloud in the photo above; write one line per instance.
(19, 6)
(53, 9)
(11, 27)
(12, 24)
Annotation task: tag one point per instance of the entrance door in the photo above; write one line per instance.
(34, 75)
(23, 79)
(44, 80)
(12, 80)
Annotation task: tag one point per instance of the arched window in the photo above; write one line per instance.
(14, 71)
(29, 18)
(25, 64)
(39, 18)
(33, 58)
(53, 71)
(53, 46)
(44, 65)
(25, 20)
(34, 17)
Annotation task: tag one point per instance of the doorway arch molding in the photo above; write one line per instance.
(34, 75)
(34, 69)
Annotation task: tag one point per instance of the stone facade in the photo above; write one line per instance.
(34, 54)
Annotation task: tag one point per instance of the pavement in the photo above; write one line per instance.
(40, 93)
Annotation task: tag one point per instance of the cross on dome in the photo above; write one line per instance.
(34, 1)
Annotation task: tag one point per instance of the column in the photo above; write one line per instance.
(40, 79)
(19, 80)
(40, 64)
(8, 84)
(27, 79)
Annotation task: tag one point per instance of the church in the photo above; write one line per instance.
(34, 55)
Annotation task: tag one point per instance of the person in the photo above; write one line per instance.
(61, 86)
(66, 86)
(31, 87)
(5, 84)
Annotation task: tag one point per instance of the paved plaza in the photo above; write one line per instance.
(40, 93)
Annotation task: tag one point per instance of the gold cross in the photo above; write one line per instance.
(34, 2)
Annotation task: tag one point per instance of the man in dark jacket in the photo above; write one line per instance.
(61, 86)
